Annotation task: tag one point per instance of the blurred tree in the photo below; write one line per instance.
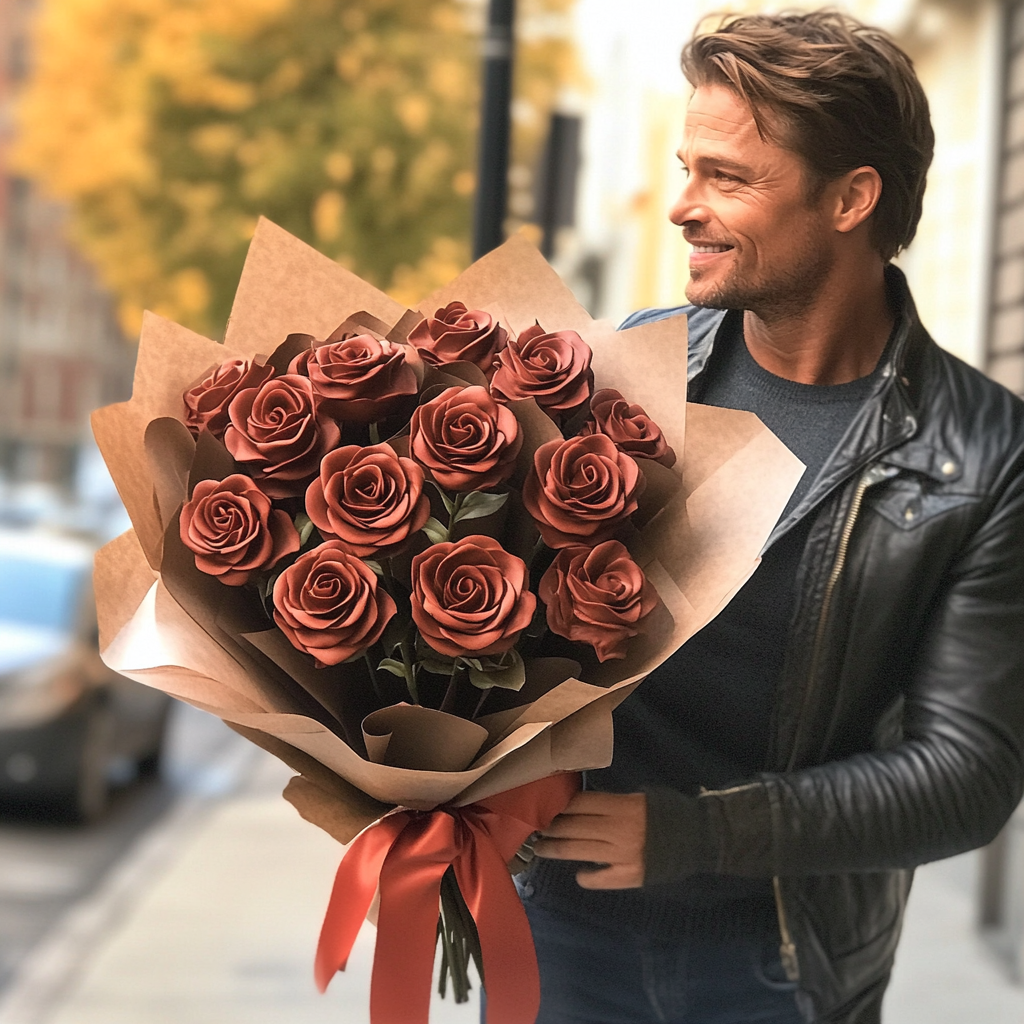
(170, 125)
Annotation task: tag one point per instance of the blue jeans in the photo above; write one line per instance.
(595, 975)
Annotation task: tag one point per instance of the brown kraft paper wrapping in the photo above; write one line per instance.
(735, 476)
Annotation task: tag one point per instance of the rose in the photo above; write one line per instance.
(465, 440)
(455, 334)
(632, 430)
(599, 596)
(362, 378)
(581, 489)
(281, 433)
(367, 498)
(206, 403)
(470, 597)
(232, 529)
(552, 368)
(328, 604)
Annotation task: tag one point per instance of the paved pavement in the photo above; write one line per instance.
(944, 974)
(213, 919)
(47, 866)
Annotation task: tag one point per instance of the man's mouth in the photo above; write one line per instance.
(702, 248)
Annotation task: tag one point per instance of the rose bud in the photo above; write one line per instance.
(598, 596)
(465, 440)
(328, 604)
(206, 403)
(553, 369)
(232, 529)
(367, 498)
(470, 597)
(632, 430)
(280, 433)
(582, 489)
(361, 378)
(457, 334)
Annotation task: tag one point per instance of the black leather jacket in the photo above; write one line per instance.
(898, 734)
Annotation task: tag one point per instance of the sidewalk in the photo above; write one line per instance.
(224, 933)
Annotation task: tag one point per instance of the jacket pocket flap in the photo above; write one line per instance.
(908, 505)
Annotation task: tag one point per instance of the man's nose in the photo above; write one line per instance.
(689, 207)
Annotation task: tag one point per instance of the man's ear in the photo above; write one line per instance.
(856, 195)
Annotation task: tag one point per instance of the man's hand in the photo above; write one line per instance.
(608, 829)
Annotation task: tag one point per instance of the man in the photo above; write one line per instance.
(858, 709)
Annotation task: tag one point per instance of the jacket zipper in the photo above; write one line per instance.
(872, 475)
(787, 948)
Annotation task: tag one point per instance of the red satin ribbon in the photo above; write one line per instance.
(407, 853)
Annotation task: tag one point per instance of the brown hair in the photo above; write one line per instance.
(838, 93)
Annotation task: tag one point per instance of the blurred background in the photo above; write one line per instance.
(149, 870)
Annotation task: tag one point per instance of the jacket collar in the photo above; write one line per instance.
(887, 421)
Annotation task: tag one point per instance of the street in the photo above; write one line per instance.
(46, 868)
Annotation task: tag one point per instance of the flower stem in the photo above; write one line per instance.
(457, 502)
(537, 549)
(410, 671)
(374, 433)
(388, 579)
(459, 939)
(373, 677)
(448, 704)
(480, 703)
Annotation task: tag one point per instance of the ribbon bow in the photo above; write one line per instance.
(407, 853)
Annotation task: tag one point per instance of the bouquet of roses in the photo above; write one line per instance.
(421, 555)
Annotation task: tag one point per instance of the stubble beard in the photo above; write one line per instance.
(780, 293)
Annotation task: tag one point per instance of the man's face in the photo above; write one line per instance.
(759, 241)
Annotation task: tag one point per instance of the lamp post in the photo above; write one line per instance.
(495, 129)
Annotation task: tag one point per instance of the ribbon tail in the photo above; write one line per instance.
(351, 896)
(410, 899)
(510, 960)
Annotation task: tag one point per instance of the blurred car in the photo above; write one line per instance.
(68, 725)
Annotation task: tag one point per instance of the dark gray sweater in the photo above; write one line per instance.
(703, 718)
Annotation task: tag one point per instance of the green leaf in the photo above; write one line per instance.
(478, 504)
(430, 660)
(449, 503)
(395, 632)
(436, 665)
(375, 566)
(508, 672)
(305, 527)
(435, 530)
(266, 585)
(396, 668)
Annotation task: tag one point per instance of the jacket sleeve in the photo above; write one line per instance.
(947, 787)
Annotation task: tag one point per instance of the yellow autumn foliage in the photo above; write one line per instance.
(169, 126)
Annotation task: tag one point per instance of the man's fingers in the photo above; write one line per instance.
(604, 829)
(616, 876)
(576, 826)
(592, 802)
(594, 850)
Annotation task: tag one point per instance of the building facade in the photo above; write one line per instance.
(1005, 348)
(61, 351)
